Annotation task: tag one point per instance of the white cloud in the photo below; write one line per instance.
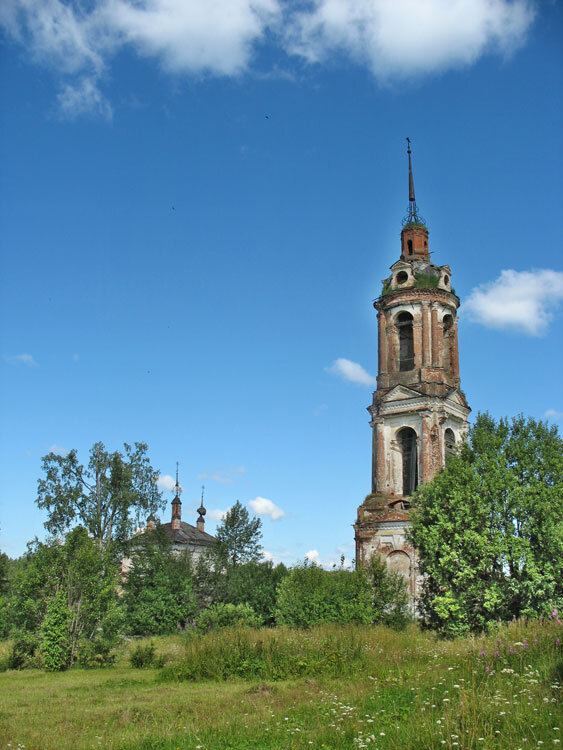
(312, 555)
(82, 98)
(264, 507)
(192, 36)
(554, 414)
(519, 300)
(23, 359)
(351, 371)
(220, 37)
(216, 514)
(408, 37)
(57, 449)
(166, 482)
(223, 477)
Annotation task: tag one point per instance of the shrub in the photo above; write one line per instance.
(96, 653)
(310, 595)
(23, 653)
(390, 595)
(55, 646)
(425, 281)
(227, 615)
(144, 655)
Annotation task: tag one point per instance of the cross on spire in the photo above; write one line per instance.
(412, 217)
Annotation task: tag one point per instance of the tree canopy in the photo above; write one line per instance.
(105, 496)
(238, 536)
(489, 527)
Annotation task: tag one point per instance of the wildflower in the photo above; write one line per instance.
(555, 614)
(482, 653)
(557, 641)
(496, 654)
(487, 669)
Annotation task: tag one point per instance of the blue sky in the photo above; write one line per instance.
(199, 202)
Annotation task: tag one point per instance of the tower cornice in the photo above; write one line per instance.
(409, 294)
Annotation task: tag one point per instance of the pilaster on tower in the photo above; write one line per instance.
(418, 413)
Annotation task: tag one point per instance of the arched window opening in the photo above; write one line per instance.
(406, 341)
(400, 562)
(409, 453)
(449, 441)
(448, 323)
(409, 243)
(402, 276)
(446, 279)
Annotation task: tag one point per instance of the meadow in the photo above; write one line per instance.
(329, 687)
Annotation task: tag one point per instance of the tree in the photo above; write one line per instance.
(158, 593)
(489, 527)
(81, 572)
(238, 536)
(256, 584)
(104, 497)
(310, 595)
(390, 594)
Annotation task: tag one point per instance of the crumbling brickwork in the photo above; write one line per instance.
(418, 410)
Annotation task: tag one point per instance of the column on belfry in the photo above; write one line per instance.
(426, 351)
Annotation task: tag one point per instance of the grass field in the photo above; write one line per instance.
(401, 690)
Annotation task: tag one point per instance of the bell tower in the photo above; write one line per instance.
(418, 413)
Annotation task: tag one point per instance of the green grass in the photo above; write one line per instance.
(406, 690)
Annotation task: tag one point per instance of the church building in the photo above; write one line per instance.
(418, 413)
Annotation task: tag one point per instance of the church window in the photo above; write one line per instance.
(448, 323)
(449, 440)
(402, 276)
(409, 454)
(409, 243)
(446, 279)
(406, 341)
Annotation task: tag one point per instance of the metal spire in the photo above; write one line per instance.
(201, 510)
(177, 487)
(412, 217)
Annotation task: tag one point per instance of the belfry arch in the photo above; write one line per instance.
(408, 444)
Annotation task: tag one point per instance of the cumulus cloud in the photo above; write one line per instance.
(264, 507)
(21, 359)
(351, 371)
(554, 414)
(408, 37)
(193, 37)
(166, 482)
(216, 514)
(520, 300)
(313, 556)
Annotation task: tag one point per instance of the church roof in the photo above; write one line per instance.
(188, 534)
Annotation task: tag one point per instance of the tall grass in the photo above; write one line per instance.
(353, 687)
(278, 654)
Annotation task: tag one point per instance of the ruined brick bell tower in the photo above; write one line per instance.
(419, 413)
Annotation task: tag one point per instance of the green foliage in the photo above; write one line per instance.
(85, 572)
(425, 280)
(227, 615)
(255, 583)
(238, 537)
(54, 645)
(386, 288)
(24, 651)
(104, 496)
(489, 528)
(310, 595)
(95, 653)
(273, 655)
(390, 594)
(158, 595)
(144, 655)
